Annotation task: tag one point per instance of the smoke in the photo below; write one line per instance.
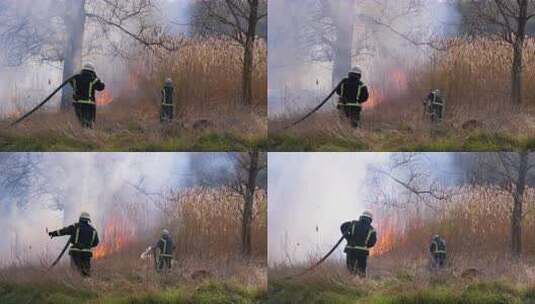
(312, 194)
(386, 43)
(99, 183)
(33, 37)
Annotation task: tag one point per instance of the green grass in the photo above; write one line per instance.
(388, 292)
(403, 142)
(48, 141)
(212, 292)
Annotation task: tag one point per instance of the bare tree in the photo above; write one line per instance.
(505, 20)
(409, 180)
(512, 172)
(19, 181)
(237, 19)
(244, 181)
(59, 36)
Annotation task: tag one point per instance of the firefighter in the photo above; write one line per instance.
(360, 237)
(434, 106)
(165, 248)
(167, 108)
(83, 237)
(438, 251)
(352, 94)
(84, 86)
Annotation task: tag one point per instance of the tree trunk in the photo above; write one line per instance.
(518, 201)
(343, 21)
(518, 52)
(248, 54)
(249, 203)
(72, 57)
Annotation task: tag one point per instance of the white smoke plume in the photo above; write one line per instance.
(98, 183)
(389, 36)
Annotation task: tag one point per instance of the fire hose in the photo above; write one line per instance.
(60, 255)
(43, 102)
(313, 110)
(311, 268)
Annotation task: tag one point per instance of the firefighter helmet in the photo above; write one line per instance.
(355, 71)
(165, 232)
(436, 237)
(367, 214)
(89, 67)
(168, 81)
(85, 216)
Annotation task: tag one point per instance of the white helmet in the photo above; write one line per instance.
(85, 216)
(436, 237)
(356, 70)
(367, 214)
(89, 67)
(168, 81)
(165, 232)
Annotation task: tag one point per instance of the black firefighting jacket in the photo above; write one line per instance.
(167, 95)
(166, 246)
(438, 246)
(83, 237)
(352, 91)
(84, 85)
(360, 235)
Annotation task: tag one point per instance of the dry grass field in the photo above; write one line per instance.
(476, 226)
(210, 117)
(209, 267)
(474, 77)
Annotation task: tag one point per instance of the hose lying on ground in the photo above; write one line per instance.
(42, 103)
(313, 110)
(317, 263)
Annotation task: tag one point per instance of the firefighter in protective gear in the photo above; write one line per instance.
(434, 106)
(164, 252)
(168, 109)
(360, 237)
(83, 237)
(84, 86)
(438, 251)
(352, 94)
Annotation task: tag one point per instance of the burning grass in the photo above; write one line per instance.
(474, 77)
(210, 117)
(476, 225)
(209, 267)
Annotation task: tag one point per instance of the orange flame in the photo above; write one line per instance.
(104, 98)
(117, 235)
(374, 99)
(399, 80)
(386, 240)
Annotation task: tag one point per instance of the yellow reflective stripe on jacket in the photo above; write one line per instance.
(358, 247)
(436, 248)
(93, 237)
(369, 235)
(358, 92)
(164, 250)
(85, 101)
(166, 255)
(77, 236)
(74, 84)
(357, 105)
(79, 249)
(91, 84)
